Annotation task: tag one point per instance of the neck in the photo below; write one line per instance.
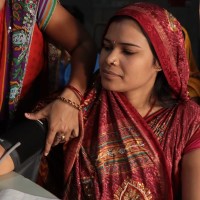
(139, 101)
(2, 2)
(142, 101)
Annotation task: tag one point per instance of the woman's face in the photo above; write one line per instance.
(126, 61)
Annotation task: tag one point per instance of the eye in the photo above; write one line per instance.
(107, 47)
(128, 52)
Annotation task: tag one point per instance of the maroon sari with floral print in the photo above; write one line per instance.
(119, 154)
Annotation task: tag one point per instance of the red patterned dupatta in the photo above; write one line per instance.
(120, 155)
(119, 158)
(116, 156)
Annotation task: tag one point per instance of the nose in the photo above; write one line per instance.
(112, 58)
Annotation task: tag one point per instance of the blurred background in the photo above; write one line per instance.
(95, 13)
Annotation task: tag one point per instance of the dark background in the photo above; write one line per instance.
(95, 14)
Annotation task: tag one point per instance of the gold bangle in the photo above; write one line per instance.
(68, 101)
(76, 91)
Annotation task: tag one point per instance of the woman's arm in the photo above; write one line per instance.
(191, 176)
(7, 165)
(21, 142)
(65, 30)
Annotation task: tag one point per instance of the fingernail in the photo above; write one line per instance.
(46, 154)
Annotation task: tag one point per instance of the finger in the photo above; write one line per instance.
(74, 134)
(59, 138)
(49, 141)
(62, 138)
(56, 141)
(37, 115)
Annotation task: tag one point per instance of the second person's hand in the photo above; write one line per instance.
(62, 121)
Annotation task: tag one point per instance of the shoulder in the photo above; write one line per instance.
(46, 9)
(187, 122)
(187, 116)
(188, 108)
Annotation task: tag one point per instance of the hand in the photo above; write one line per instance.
(62, 121)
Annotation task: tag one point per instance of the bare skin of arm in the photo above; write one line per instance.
(7, 165)
(191, 176)
(66, 31)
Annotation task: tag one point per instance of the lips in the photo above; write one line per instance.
(109, 73)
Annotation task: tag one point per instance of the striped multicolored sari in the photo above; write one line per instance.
(3, 52)
(22, 49)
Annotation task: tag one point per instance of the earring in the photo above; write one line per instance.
(114, 62)
(157, 65)
(114, 42)
(158, 68)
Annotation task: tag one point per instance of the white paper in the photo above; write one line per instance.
(10, 194)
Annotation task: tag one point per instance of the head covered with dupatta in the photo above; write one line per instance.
(165, 34)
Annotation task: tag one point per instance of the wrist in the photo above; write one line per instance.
(81, 87)
(75, 91)
(69, 94)
(70, 102)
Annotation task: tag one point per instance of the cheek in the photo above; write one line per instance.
(102, 59)
(138, 71)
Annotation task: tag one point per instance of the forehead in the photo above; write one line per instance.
(124, 29)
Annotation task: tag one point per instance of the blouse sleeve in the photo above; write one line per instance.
(194, 142)
(45, 11)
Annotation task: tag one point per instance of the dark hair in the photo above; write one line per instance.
(162, 91)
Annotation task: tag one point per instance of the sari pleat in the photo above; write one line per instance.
(3, 53)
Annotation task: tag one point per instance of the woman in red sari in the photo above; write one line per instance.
(139, 131)
(140, 134)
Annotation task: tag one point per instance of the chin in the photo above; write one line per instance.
(109, 86)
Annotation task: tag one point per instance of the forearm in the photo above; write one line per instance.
(7, 164)
(67, 32)
(83, 62)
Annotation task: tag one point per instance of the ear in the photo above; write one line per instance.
(157, 66)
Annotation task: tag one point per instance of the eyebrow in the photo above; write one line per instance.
(121, 43)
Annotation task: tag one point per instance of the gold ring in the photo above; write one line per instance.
(62, 137)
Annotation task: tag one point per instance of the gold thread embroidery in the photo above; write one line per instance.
(133, 190)
(172, 21)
